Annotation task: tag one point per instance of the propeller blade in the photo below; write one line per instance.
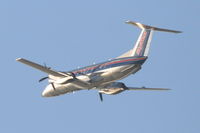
(46, 66)
(43, 79)
(53, 86)
(71, 74)
(101, 97)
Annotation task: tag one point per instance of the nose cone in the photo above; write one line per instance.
(48, 91)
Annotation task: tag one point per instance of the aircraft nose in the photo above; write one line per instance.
(48, 91)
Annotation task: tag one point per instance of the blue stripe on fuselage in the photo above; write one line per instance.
(110, 64)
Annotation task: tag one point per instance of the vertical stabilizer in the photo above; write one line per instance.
(142, 45)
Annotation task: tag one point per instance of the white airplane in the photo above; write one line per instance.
(102, 76)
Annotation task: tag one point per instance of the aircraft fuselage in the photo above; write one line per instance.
(99, 75)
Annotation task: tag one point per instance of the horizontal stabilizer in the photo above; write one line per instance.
(150, 89)
(40, 67)
(142, 26)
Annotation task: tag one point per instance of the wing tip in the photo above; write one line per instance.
(18, 59)
(179, 32)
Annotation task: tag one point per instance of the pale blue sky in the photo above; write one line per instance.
(66, 34)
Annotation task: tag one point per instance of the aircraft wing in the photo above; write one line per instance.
(40, 67)
(148, 89)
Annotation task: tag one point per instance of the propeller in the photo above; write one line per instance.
(46, 66)
(53, 86)
(101, 97)
(71, 74)
(45, 77)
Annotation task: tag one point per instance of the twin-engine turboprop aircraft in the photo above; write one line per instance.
(102, 76)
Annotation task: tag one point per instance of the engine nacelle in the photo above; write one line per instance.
(64, 80)
(113, 88)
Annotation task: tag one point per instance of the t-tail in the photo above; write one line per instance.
(142, 45)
